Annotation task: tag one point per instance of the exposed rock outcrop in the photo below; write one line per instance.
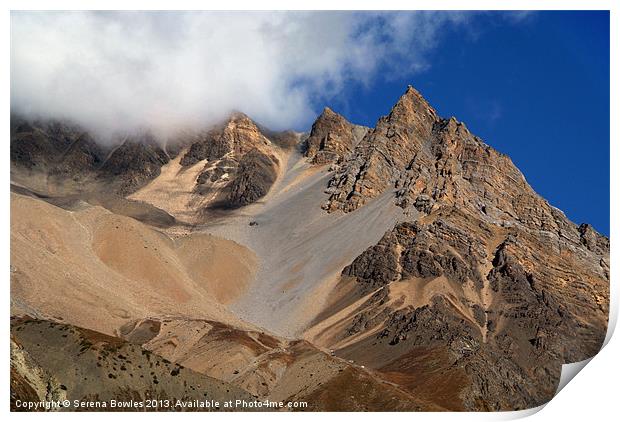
(331, 138)
(241, 162)
(56, 146)
(133, 164)
(254, 177)
(509, 305)
(237, 136)
(425, 159)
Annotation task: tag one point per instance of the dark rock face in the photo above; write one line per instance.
(133, 164)
(241, 162)
(209, 147)
(253, 179)
(55, 146)
(66, 151)
(255, 176)
(83, 156)
(411, 250)
(331, 137)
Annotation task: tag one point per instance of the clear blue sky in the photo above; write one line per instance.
(536, 89)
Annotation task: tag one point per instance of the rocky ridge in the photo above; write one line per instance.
(482, 270)
(331, 138)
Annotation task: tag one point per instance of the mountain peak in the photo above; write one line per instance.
(331, 137)
(412, 103)
(237, 116)
(329, 112)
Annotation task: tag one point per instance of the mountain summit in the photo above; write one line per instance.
(332, 137)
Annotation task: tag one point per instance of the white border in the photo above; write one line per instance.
(594, 391)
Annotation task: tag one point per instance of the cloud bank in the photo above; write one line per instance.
(114, 71)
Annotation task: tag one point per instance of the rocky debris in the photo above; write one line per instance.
(331, 137)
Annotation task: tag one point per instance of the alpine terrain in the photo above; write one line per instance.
(405, 267)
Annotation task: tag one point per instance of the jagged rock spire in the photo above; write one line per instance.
(331, 137)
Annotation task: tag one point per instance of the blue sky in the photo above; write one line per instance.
(534, 87)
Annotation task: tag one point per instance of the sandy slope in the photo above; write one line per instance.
(172, 190)
(96, 269)
(301, 248)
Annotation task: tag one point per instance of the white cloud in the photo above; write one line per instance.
(115, 71)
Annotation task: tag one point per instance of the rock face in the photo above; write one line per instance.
(64, 151)
(331, 138)
(380, 159)
(133, 164)
(237, 136)
(425, 159)
(411, 251)
(241, 162)
(483, 270)
(59, 147)
(511, 303)
(255, 175)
